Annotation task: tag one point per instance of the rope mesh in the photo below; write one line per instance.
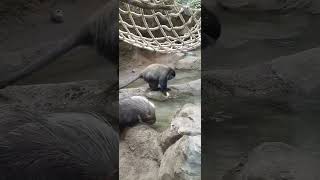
(165, 31)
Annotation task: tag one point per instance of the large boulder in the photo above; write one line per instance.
(182, 161)
(187, 121)
(283, 77)
(189, 63)
(271, 161)
(140, 154)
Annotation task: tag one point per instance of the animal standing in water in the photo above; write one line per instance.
(155, 75)
(135, 109)
(100, 31)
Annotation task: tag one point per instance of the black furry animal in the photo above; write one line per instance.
(211, 27)
(100, 31)
(57, 146)
(155, 75)
(135, 109)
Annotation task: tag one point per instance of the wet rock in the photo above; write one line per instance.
(193, 88)
(276, 160)
(182, 161)
(140, 154)
(157, 95)
(189, 63)
(187, 120)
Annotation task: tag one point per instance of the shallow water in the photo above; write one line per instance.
(167, 109)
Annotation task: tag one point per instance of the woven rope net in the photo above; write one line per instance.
(165, 31)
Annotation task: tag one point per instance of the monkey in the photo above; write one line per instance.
(135, 109)
(211, 27)
(100, 31)
(60, 145)
(154, 75)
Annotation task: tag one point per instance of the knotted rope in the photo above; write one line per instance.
(159, 28)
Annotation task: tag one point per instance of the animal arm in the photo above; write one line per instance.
(147, 5)
(163, 83)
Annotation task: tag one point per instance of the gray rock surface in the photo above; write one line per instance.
(187, 121)
(186, 165)
(189, 63)
(284, 76)
(271, 161)
(140, 154)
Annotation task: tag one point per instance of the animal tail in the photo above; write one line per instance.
(129, 82)
(41, 57)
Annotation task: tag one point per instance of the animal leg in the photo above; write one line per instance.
(163, 85)
(154, 86)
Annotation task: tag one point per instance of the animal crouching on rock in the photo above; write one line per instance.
(155, 75)
(100, 31)
(64, 146)
(135, 109)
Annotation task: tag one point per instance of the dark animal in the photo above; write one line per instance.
(100, 32)
(154, 75)
(211, 27)
(135, 109)
(57, 146)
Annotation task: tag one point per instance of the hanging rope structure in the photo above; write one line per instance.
(157, 27)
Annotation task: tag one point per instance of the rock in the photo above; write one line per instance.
(157, 95)
(189, 63)
(140, 154)
(192, 87)
(168, 138)
(283, 77)
(300, 70)
(187, 121)
(182, 161)
(276, 160)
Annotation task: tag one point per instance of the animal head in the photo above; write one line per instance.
(149, 116)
